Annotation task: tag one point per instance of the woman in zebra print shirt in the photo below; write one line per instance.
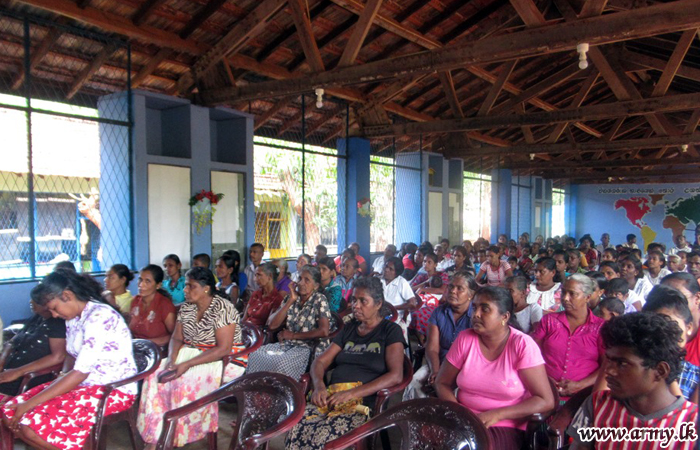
(207, 326)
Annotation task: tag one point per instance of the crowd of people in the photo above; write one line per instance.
(499, 325)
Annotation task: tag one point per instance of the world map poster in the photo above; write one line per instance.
(654, 214)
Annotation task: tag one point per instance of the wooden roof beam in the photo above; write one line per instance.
(448, 87)
(583, 147)
(90, 70)
(140, 16)
(598, 111)
(634, 24)
(305, 33)
(631, 59)
(628, 162)
(359, 33)
(279, 105)
(528, 12)
(586, 87)
(495, 91)
(622, 176)
(648, 180)
(37, 55)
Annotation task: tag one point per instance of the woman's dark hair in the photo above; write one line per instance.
(204, 277)
(425, 249)
(519, 282)
(122, 272)
(173, 257)
(564, 253)
(652, 337)
(612, 304)
(374, 286)
(158, 276)
(411, 248)
(598, 277)
(688, 280)
(83, 286)
(271, 270)
(398, 265)
(548, 263)
(431, 256)
(658, 254)
(503, 301)
(306, 257)
(612, 252)
(329, 263)
(65, 265)
(313, 271)
(494, 249)
(637, 266)
(232, 260)
(612, 264)
(617, 286)
(667, 297)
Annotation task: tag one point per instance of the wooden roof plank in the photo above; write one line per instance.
(495, 91)
(359, 33)
(91, 69)
(302, 21)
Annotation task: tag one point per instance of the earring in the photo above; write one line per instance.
(503, 322)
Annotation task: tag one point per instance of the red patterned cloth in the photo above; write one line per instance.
(66, 421)
(419, 319)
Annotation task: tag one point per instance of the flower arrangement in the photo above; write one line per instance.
(363, 207)
(203, 208)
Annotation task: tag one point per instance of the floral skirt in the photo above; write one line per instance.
(66, 421)
(198, 381)
(315, 430)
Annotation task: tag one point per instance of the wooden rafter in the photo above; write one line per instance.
(495, 91)
(628, 162)
(449, 88)
(657, 19)
(586, 87)
(583, 147)
(91, 69)
(631, 58)
(302, 22)
(527, 10)
(359, 33)
(143, 12)
(37, 55)
(592, 112)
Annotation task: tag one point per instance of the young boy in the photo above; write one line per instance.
(643, 359)
(256, 252)
(631, 241)
(610, 307)
(674, 263)
(620, 289)
(201, 260)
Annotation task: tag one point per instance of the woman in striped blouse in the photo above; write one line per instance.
(207, 327)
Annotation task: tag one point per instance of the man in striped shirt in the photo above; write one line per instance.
(639, 411)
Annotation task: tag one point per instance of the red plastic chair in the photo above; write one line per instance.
(561, 420)
(252, 338)
(269, 404)
(537, 423)
(425, 423)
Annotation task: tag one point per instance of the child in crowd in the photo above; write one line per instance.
(631, 241)
(656, 267)
(256, 252)
(610, 307)
(683, 264)
(528, 315)
(594, 299)
(513, 262)
(201, 260)
(609, 254)
(620, 289)
(673, 263)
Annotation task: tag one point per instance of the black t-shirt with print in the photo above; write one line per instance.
(363, 358)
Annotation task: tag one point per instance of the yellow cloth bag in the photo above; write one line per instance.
(350, 407)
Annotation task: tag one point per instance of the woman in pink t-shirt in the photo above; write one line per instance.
(498, 369)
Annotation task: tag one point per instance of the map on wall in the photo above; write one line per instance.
(679, 213)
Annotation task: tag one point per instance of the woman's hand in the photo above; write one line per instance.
(285, 335)
(489, 418)
(341, 397)
(567, 388)
(293, 294)
(20, 410)
(9, 375)
(431, 378)
(320, 397)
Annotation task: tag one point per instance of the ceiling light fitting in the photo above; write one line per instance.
(582, 49)
(319, 98)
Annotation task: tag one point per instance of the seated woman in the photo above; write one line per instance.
(302, 261)
(266, 299)
(461, 262)
(207, 327)
(367, 353)
(446, 322)
(632, 271)
(498, 369)
(152, 314)
(117, 282)
(430, 296)
(332, 290)
(174, 283)
(307, 317)
(226, 269)
(39, 345)
(545, 291)
(398, 292)
(60, 415)
(570, 340)
(494, 271)
(527, 314)
(283, 280)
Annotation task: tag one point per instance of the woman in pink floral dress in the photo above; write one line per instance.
(61, 414)
(207, 326)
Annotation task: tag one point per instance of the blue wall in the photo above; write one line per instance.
(658, 210)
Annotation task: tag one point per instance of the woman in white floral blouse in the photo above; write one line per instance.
(60, 415)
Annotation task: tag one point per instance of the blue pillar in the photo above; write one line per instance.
(353, 186)
(411, 193)
(570, 210)
(502, 182)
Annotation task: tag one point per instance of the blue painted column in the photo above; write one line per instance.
(411, 194)
(570, 210)
(353, 175)
(502, 181)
